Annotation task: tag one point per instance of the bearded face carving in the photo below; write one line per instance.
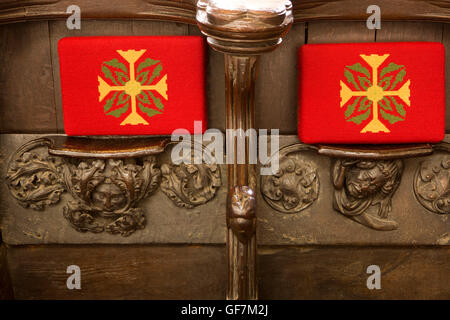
(364, 190)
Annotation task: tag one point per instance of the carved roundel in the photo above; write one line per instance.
(295, 186)
(432, 185)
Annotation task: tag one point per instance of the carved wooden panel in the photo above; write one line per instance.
(358, 201)
(146, 199)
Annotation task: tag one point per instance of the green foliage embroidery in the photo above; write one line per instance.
(385, 103)
(398, 107)
(364, 82)
(351, 108)
(118, 74)
(385, 82)
(359, 68)
(156, 101)
(110, 102)
(142, 97)
(148, 111)
(390, 77)
(398, 78)
(360, 118)
(116, 64)
(146, 63)
(156, 73)
(390, 117)
(123, 97)
(108, 74)
(364, 104)
(350, 78)
(122, 77)
(142, 77)
(391, 67)
(118, 112)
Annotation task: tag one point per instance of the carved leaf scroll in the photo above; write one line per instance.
(432, 185)
(34, 178)
(189, 182)
(296, 184)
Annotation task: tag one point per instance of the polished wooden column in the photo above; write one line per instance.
(242, 30)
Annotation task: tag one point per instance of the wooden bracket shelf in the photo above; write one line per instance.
(106, 146)
(376, 152)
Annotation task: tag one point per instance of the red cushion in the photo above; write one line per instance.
(337, 98)
(99, 92)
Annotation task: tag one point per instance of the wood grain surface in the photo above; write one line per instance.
(27, 102)
(184, 10)
(276, 88)
(119, 272)
(340, 273)
(6, 291)
(198, 272)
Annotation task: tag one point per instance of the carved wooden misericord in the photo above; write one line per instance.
(107, 180)
(365, 179)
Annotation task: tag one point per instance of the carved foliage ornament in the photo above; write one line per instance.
(296, 184)
(189, 182)
(432, 185)
(105, 192)
(364, 190)
(189, 185)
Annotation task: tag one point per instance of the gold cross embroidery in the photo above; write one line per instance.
(132, 87)
(375, 93)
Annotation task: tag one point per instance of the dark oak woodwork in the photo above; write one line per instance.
(375, 151)
(6, 291)
(27, 102)
(309, 10)
(185, 272)
(242, 33)
(119, 272)
(105, 146)
(340, 272)
(185, 10)
(296, 265)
